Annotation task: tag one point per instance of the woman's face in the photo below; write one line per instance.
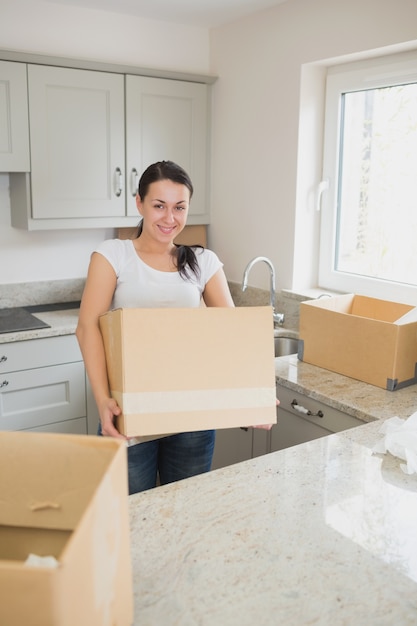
(164, 209)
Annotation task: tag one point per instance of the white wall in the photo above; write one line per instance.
(46, 27)
(256, 200)
(35, 26)
(258, 207)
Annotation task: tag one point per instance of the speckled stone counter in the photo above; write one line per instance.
(363, 401)
(321, 533)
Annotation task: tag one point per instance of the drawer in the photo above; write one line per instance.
(321, 414)
(42, 396)
(72, 427)
(25, 355)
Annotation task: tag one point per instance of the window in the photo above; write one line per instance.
(368, 239)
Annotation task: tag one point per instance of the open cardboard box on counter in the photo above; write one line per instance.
(372, 340)
(179, 370)
(64, 497)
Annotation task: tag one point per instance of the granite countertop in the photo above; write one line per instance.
(361, 400)
(320, 533)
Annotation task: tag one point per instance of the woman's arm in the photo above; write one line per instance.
(96, 300)
(217, 292)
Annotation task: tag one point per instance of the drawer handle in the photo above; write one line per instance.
(118, 182)
(3, 358)
(4, 384)
(302, 409)
(134, 180)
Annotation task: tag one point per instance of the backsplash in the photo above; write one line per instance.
(49, 292)
(43, 292)
(286, 302)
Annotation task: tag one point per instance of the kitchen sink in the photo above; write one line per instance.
(285, 345)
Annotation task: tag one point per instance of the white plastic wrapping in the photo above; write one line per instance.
(400, 440)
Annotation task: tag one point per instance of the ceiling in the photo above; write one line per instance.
(204, 13)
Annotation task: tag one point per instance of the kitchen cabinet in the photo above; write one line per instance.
(14, 127)
(167, 120)
(43, 386)
(76, 122)
(77, 143)
(300, 419)
(233, 445)
(92, 133)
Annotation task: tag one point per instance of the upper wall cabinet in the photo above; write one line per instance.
(76, 122)
(14, 130)
(92, 133)
(77, 143)
(167, 120)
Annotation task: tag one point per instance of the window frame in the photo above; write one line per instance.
(379, 72)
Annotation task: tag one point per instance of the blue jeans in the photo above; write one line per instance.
(173, 458)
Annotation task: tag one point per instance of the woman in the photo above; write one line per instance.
(151, 271)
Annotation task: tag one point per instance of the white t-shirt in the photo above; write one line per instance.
(139, 285)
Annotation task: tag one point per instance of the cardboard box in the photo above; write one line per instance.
(64, 496)
(372, 340)
(180, 370)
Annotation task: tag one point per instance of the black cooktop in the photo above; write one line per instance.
(16, 319)
(20, 318)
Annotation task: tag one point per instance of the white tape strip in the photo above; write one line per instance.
(202, 400)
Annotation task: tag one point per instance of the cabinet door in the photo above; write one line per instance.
(167, 120)
(301, 418)
(14, 128)
(77, 143)
(72, 427)
(42, 396)
(292, 430)
(233, 445)
(36, 353)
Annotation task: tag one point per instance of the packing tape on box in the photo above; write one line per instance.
(149, 402)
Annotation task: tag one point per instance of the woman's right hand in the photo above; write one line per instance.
(108, 411)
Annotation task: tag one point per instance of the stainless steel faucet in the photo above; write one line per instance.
(278, 317)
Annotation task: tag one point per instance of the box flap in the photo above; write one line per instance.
(47, 480)
(408, 318)
(381, 310)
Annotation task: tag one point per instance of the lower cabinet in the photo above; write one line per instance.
(232, 446)
(43, 386)
(300, 419)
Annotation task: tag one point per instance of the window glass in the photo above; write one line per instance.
(369, 217)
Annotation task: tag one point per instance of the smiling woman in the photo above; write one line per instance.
(151, 271)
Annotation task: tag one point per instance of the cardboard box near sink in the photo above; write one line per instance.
(176, 370)
(371, 340)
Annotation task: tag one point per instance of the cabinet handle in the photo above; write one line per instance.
(302, 409)
(4, 384)
(118, 182)
(134, 181)
(3, 358)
